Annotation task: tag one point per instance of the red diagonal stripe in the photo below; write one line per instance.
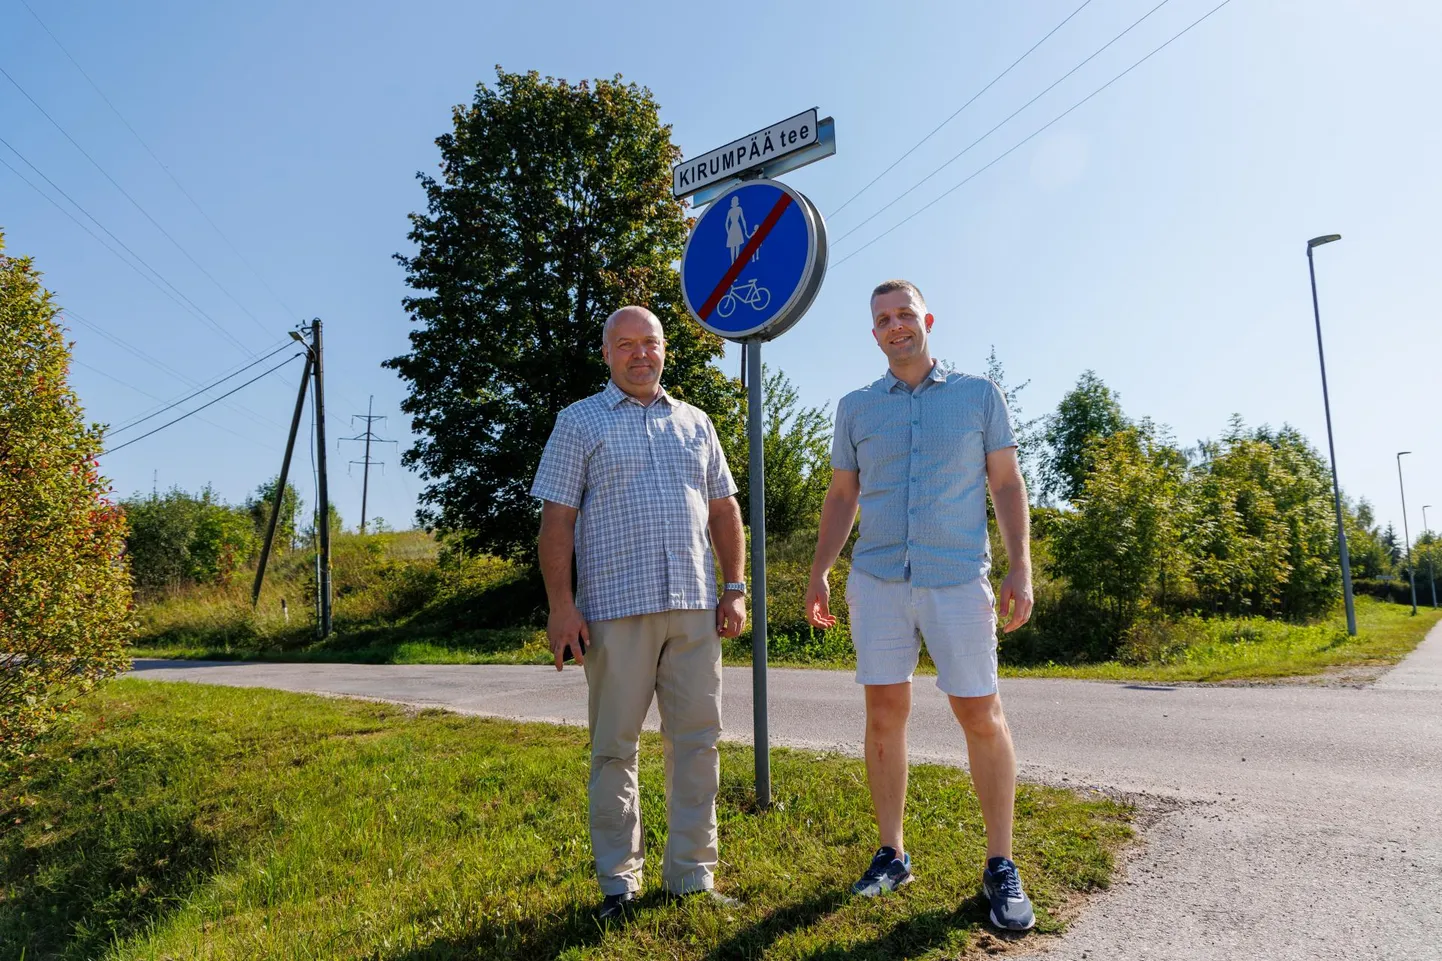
(746, 254)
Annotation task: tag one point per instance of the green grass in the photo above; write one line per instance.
(180, 821)
(1221, 649)
(1257, 649)
(400, 600)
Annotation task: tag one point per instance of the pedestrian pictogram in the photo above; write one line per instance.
(754, 261)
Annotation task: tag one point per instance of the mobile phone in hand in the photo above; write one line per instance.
(568, 654)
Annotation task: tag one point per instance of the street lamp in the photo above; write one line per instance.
(1331, 447)
(1411, 569)
(1431, 575)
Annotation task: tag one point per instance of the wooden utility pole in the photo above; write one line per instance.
(278, 495)
(323, 494)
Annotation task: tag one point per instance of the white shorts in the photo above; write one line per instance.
(889, 619)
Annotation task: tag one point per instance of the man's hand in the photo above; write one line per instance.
(1013, 604)
(731, 614)
(567, 628)
(818, 601)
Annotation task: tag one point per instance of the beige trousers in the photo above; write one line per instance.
(674, 656)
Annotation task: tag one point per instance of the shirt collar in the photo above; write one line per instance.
(937, 373)
(614, 396)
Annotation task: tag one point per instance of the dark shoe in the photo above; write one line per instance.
(886, 874)
(613, 906)
(709, 896)
(1010, 907)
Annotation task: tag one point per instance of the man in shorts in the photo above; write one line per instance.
(917, 450)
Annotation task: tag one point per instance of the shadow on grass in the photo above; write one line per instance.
(114, 876)
(922, 934)
(545, 938)
(752, 941)
(527, 938)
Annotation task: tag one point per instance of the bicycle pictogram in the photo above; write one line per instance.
(748, 293)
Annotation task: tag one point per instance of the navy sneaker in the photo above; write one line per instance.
(615, 906)
(1010, 907)
(887, 873)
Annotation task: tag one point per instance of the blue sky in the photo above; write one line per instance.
(1156, 234)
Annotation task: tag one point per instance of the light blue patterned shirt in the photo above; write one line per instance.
(642, 477)
(921, 455)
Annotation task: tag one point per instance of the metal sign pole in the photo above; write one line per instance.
(757, 479)
(753, 264)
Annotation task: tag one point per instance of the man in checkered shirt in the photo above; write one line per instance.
(635, 484)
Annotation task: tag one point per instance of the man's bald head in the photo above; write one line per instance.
(630, 313)
(633, 345)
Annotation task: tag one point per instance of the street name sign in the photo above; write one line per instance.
(752, 153)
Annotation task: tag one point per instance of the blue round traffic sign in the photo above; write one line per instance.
(754, 261)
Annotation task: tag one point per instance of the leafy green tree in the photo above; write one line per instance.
(1364, 542)
(797, 446)
(337, 526)
(1392, 544)
(552, 209)
(258, 506)
(181, 538)
(223, 542)
(1089, 412)
(1427, 554)
(1262, 532)
(1121, 543)
(64, 594)
(1028, 433)
(161, 530)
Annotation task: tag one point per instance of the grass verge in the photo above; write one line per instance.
(179, 821)
(1258, 649)
(1195, 650)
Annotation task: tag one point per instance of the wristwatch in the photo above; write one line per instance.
(739, 586)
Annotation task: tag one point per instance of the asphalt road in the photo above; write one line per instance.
(1293, 821)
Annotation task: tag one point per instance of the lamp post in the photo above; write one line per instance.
(1411, 568)
(1431, 575)
(1331, 446)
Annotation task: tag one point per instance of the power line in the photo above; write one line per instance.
(204, 406)
(70, 314)
(182, 300)
(1030, 136)
(135, 203)
(955, 157)
(957, 112)
(254, 363)
(168, 173)
(129, 386)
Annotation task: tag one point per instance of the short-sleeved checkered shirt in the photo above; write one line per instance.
(642, 477)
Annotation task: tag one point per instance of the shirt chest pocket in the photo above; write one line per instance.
(622, 457)
(686, 458)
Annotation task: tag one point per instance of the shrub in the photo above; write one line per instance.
(1158, 640)
(64, 592)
